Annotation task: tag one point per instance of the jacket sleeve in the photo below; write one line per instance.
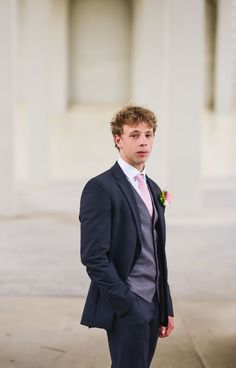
(169, 302)
(95, 217)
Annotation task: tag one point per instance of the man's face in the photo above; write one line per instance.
(135, 144)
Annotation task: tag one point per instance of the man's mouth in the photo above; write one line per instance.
(142, 153)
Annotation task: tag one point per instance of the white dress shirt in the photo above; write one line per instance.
(130, 172)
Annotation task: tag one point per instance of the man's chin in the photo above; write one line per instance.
(141, 160)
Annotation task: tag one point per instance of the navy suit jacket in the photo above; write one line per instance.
(110, 245)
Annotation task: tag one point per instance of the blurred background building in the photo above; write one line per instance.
(66, 67)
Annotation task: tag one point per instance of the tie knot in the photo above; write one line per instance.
(140, 178)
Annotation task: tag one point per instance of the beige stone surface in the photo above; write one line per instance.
(46, 332)
(212, 329)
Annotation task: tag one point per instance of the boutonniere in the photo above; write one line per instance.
(165, 198)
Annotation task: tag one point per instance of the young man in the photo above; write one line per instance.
(123, 247)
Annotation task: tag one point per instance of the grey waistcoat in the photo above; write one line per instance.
(143, 278)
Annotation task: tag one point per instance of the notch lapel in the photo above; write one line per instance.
(124, 185)
(160, 209)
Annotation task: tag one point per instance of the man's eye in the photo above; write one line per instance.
(134, 135)
(149, 135)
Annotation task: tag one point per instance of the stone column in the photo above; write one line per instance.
(59, 56)
(99, 51)
(149, 79)
(37, 89)
(168, 77)
(7, 104)
(224, 90)
(185, 103)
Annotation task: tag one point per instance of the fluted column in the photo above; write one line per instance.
(224, 87)
(149, 80)
(37, 87)
(185, 103)
(59, 56)
(168, 77)
(7, 105)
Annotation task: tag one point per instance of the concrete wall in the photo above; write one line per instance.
(114, 51)
(99, 51)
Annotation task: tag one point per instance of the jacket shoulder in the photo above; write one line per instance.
(99, 181)
(155, 186)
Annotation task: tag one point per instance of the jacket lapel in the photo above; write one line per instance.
(160, 209)
(124, 185)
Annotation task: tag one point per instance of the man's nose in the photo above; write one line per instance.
(143, 141)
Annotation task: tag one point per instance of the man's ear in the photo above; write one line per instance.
(117, 139)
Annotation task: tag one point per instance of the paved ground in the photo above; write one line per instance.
(43, 286)
(40, 256)
(45, 332)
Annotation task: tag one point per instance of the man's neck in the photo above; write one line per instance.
(128, 167)
(139, 167)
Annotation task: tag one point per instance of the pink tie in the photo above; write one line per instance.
(144, 192)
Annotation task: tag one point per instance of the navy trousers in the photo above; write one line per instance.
(133, 338)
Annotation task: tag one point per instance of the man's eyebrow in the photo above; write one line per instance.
(138, 131)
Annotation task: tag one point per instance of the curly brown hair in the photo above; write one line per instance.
(132, 115)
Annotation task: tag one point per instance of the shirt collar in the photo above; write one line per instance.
(129, 170)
